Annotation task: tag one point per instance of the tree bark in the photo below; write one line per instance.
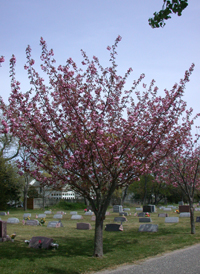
(98, 237)
(192, 223)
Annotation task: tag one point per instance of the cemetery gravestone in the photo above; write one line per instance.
(107, 213)
(127, 209)
(181, 203)
(89, 213)
(197, 209)
(198, 219)
(26, 215)
(148, 208)
(83, 226)
(184, 208)
(171, 219)
(60, 212)
(3, 231)
(120, 219)
(139, 209)
(148, 228)
(167, 209)
(73, 213)
(58, 216)
(55, 224)
(163, 215)
(48, 212)
(76, 217)
(93, 218)
(40, 242)
(184, 214)
(113, 227)
(42, 215)
(123, 213)
(32, 222)
(3, 213)
(117, 208)
(145, 220)
(141, 214)
(13, 221)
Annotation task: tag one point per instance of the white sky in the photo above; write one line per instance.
(92, 25)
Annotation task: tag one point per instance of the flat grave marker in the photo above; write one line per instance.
(127, 209)
(48, 212)
(76, 217)
(163, 215)
(198, 219)
(40, 242)
(73, 213)
(171, 219)
(167, 209)
(83, 226)
(3, 213)
(184, 214)
(145, 220)
(42, 215)
(58, 216)
(123, 213)
(26, 215)
(113, 227)
(60, 212)
(139, 209)
(197, 209)
(89, 213)
(120, 219)
(55, 224)
(32, 222)
(141, 214)
(13, 221)
(148, 228)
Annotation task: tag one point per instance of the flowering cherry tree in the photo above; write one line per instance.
(87, 131)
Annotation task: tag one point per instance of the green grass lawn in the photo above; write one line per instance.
(74, 254)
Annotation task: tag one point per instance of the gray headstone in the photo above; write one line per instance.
(117, 208)
(93, 218)
(181, 203)
(26, 215)
(76, 217)
(58, 216)
(89, 213)
(184, 214)
(139, 209)
(148, 228)
(83, 226)
(171, 219)
(55, 224)
(127, 209)
(73, 213)
(13, 221)
(60, 212)
(198, 219)
(163, 215)
(48, 212)
(197, 209)
(32, 222)
(40, 242)
(167, 209)
(141, 214)
(113, 227)
(107, 213)
(123, 213)
(120, 219)
(145, 220)
(42, 215)
(3, 213)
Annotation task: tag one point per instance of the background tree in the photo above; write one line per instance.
(87, 131)
(169, 7)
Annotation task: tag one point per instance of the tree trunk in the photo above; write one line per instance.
(192, 223)
(124, 195)
(98, 237)
(25, 197)
(145, 190)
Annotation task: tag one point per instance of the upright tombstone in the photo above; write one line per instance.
(113, 227)
(184, 208)
(3, 231)
(171, 219)
(148, 208)
(76, 217)
(32, 222)
(120, 219)
(167, 209)
(181, 203)
(139, 209)
(89, 213)
(58, 216)
(107, 213)
(73, 213)
(117, 208)
(60, 212)
(184, 214)
(127, 209)
(48, 212)
(197, 209)
(13, 221)
(122, 213)
(163, 215)
(55, 224)
(93, 218)
(26, 215)
(145, 220)
(83, 226)
(148, 228)
(40, 242)
(198, 219)
(42, 215)
(141, 214)
(3, 213)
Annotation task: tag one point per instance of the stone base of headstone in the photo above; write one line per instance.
(41, 242)
(148, 228)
